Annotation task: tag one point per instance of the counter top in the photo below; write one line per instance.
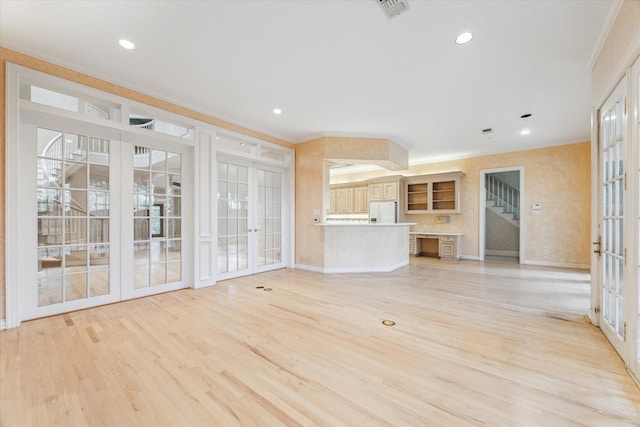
(435, 233)
(365, 224)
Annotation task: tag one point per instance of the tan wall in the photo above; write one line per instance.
(312, 184)
(7, 55)
(558, 178)
(499, 236)
(311, 177)
(620, 48)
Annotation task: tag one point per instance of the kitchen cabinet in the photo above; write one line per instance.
(349, 199)
(435, 193)
(436, 244)
(344, 200)
(332, 201)
(448, 247)
(383, 191)
(361, 199)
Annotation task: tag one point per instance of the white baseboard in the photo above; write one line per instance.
(557, 264)
(353, 269)
(514, 254)
(471, 257)
(311, 268)
(204, 285)
(3, 324)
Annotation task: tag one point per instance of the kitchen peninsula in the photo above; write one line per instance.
(364, 247)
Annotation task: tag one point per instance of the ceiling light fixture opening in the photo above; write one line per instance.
(525, 132)
(126, 44)
(464, 38)
(277, 111)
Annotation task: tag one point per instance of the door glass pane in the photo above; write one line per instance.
(70, 237)
(268, 217)
(157, 217)
(612, 226)
(233, 184)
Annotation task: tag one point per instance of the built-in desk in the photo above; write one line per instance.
(445, 245)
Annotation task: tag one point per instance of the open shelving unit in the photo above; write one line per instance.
(434, 193)
(444, 195)
(418, 197)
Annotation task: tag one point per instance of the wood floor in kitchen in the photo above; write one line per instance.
(473, 343)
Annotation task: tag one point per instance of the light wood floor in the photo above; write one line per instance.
(474, 344)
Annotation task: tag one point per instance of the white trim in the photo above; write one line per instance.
(471, 257)
(492, 252)
(388, 269)
(127, 85)
(311, 268)
(12, 316)
(632, 201)
(483, 206)
(15, 107)
(595, 216)
(603, 32)
(3, 324)
(556, 264)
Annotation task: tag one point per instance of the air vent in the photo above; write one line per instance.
(393, 8)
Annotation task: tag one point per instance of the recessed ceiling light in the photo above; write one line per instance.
(525, 132)
(277, 111)
(464, 38)
(126, 44)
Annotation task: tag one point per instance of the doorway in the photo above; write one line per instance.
(89, 233)
(610, 244)
(501, 222)
(250, 218)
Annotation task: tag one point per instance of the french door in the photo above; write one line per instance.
(613, 312)
(153, 246)
(101, 220)
(250, 218)
(67, 197)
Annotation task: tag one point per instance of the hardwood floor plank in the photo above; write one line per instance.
(473, 344)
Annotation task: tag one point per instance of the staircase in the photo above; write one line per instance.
(503, 200)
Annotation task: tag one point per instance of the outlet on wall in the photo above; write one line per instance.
(545, 252)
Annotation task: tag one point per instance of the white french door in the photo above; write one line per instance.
(613, 284)
(101, 220)
(250, 218)
(154, 190)
(66, 253)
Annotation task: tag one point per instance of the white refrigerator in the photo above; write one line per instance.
(382, 212)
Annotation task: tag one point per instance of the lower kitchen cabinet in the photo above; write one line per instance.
(443, 245)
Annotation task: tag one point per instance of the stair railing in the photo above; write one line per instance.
(504, 195)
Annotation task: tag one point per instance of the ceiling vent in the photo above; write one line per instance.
(393, 8)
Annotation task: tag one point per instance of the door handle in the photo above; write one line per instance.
(598, 244)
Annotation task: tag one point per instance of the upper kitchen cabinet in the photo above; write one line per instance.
(349, 198)
(361, 199)
(435, 193)
(386, 189)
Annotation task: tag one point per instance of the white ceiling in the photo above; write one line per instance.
(341, 67)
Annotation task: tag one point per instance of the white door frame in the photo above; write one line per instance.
(633, 201)
(483, 205)
(187, 206)
(620, 344)
(252, 266)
